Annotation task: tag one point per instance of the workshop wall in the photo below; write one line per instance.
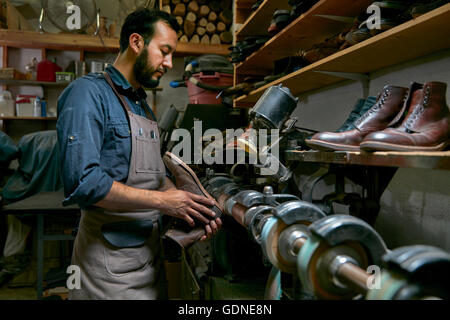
(176, 96)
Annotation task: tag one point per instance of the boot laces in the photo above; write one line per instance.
(418, 110)
(381, 101)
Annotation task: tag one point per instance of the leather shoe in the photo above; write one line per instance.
(187, 180)
(361, 107)
(382, 114)
(426, 126)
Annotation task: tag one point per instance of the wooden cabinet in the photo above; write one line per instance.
(413, 39)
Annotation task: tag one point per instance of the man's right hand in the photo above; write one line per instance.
(185, 205)
(176, 203)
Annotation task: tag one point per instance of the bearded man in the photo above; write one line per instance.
(112, 167)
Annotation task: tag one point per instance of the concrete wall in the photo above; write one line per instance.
(415, 207)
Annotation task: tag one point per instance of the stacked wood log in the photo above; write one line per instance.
(202, 21)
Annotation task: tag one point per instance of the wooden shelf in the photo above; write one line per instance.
(242, 10)
(76, 42)
(427, 160)
(56, 41)
(184, 49)
(305, 31)
(12, 82)
(413, 39)
(258, 22)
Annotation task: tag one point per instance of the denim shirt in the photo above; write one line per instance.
(94, 135)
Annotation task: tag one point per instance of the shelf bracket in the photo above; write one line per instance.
(336, 18)
(362, 77)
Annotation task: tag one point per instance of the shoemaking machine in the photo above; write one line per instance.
(299, 246)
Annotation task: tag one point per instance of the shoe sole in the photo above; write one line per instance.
(193, 176)
(327, 146)
(384, 146)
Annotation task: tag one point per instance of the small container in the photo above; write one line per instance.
(198, 95)
(37, 111)
(97, 66)
(6, 104)
(43, 108)
(25, 105)
(64, 76)
(46, 70)
(80, 69)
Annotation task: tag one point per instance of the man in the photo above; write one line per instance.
(112, 167)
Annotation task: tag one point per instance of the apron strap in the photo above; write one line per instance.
(122, 99)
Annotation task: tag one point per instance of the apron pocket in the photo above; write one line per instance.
(148, 155)
(127, 234)
(123, 261)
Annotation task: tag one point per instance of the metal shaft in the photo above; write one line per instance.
(298, 243)
(354, 276)
(238, 213)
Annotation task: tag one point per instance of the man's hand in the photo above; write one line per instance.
(211, 229)
(176, 203)
(185, 205)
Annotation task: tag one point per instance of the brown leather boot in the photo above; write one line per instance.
(382, 114)
(425, 128)
(187, 180)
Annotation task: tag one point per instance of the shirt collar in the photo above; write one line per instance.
(123, 84)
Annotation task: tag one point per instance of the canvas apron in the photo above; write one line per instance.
(121, 265)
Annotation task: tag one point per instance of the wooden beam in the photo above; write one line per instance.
(59, 41)
(31, 39)
(5, 57)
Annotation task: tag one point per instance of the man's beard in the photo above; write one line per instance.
(143, 71)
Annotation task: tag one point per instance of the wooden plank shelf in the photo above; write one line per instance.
(301, 34)
(259, 21)
(76, 42)
(242, 10)
(427, 160)
(56, 41)
(413, 39)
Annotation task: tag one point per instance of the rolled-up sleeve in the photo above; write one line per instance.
(81, 130)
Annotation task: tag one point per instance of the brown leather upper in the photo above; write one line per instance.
(378, 117)
(186, 180)
(425, 127)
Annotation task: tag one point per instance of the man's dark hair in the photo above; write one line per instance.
(142, 21)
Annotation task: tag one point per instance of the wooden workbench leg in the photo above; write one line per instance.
(40, 255)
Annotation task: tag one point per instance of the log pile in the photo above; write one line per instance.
(202, 21)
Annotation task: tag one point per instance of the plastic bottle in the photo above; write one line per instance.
(43, 108)
(37, 107)
(6, 104)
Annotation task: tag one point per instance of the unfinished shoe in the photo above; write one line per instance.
(186, 180)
